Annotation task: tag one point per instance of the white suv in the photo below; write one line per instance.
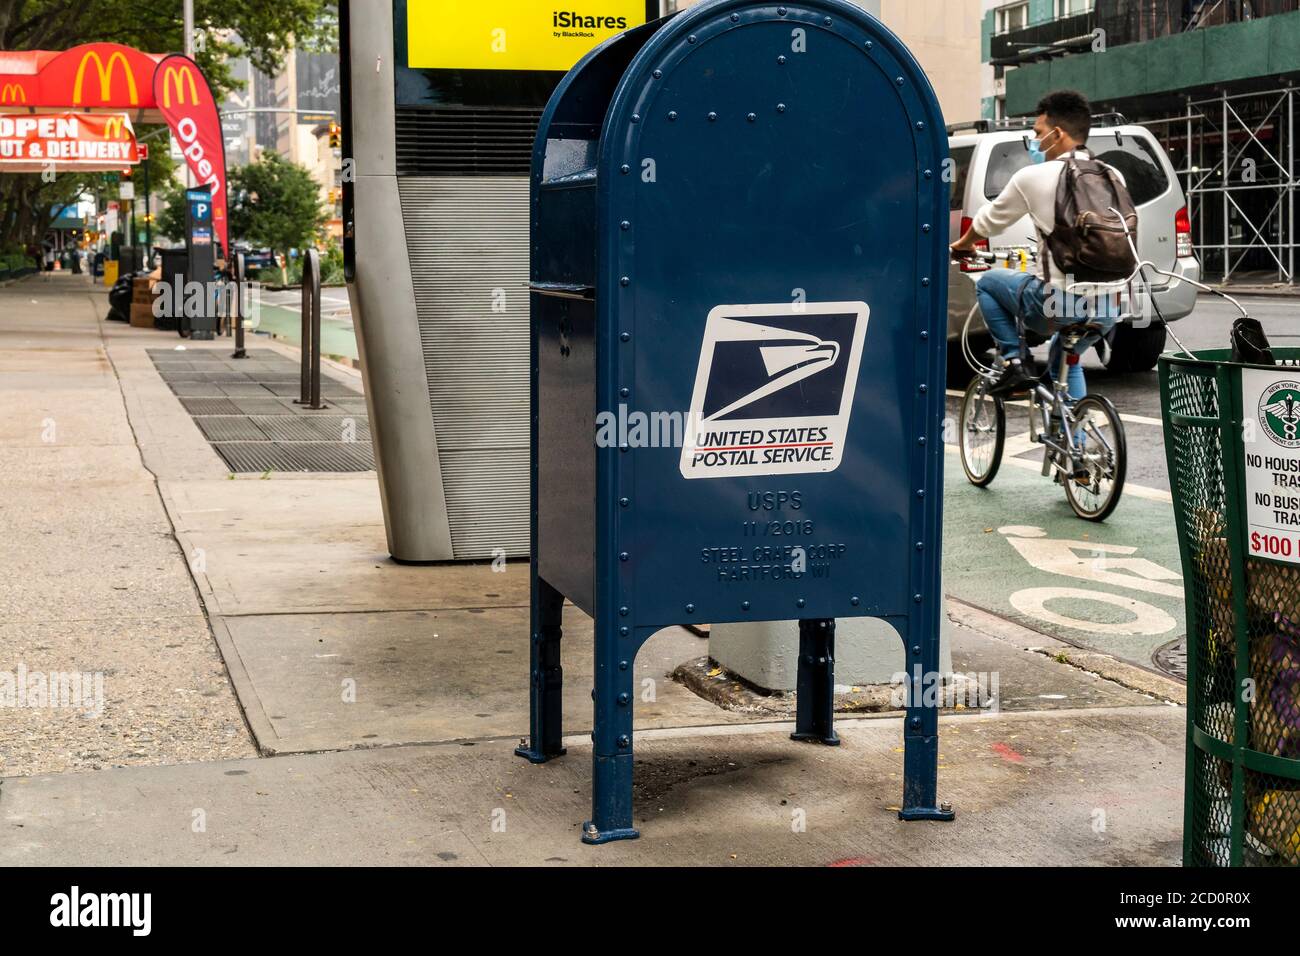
(985, 156)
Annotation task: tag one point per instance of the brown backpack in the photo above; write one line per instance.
(1088, 242)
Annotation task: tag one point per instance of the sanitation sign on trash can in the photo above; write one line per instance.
(1273, 463)
(739, 313)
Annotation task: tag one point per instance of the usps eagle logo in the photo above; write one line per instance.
(774, 389)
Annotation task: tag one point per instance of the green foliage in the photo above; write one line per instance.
(275, 204)
(171, 220)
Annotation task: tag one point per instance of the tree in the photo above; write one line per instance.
(275, 204)
(261, 30)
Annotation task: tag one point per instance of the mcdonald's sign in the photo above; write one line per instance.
(13, 93)
(105, 72)
(114, 127)
(179, 79)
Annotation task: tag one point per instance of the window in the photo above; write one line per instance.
(1014, 17)
(1136, 161)
(1070, 8)
(1133, 156)
(961, 156)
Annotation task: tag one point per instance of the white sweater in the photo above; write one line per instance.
(1031, 192)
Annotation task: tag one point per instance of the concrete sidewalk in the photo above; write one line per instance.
(277, 690)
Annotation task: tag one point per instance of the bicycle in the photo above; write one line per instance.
(1084, 445)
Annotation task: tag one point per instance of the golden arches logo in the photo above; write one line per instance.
(178, 78)
(113, 127)
(13, 93)
(105, 77)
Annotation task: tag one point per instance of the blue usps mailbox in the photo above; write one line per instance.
(738, 281)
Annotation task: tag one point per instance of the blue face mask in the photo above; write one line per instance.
(1036, 152)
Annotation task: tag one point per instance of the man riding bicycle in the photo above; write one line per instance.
(1040, 303)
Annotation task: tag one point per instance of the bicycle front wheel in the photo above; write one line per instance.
(983, 429)
(1101, 461)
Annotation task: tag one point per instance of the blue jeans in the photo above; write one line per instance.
(1004, 294)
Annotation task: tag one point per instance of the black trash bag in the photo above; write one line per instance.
(1250, 344)
(119, 300)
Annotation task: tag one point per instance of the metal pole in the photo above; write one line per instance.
(1227, 173)
(238, 310)
(187, 16)
(1290, 186)
(310, 378)
(148, 226)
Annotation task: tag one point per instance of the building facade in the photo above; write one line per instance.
(1212, 79)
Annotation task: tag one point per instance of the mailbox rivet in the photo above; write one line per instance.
(623, 611)
(623, 699)
(624, 502)
(623, 631)
(624, 741)
(827, 21)
(921, 440)
(626, 280)
(625, 169)
(916, 648)
(920, 546)
(924, 389)
(672, 116)
(691, 38)
(626, 336)
(916, 598)
(636, 117)
(780, 11)
(623, 665)
(898, 80)
(929, 174)
(625, 225)
(658, 74)
(926, 227)
(713, 117)
(781, 60)
(924, 336)
(593, 693)
(916, 722)
(624, 392)
(925, 281)
(780, 107)
(870, 45)
(920, 492)
(855, 600)
(735, 18)
(920, 124)
(800, 603)
(623, 556)
(744, 605)
(622, 447)
(690, 609)
(752, 117)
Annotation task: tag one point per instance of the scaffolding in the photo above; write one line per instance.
(1235, 155)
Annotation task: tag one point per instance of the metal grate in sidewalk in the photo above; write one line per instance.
(245, 409)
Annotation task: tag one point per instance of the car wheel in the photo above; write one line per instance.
(1136, 349)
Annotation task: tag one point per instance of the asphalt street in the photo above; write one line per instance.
(1017, 550)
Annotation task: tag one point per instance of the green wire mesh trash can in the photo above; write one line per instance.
(1232, 438)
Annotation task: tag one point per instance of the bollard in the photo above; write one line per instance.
(310, 331)
(237, 310)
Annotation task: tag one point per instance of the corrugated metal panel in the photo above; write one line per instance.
(465, 141)
(467, 238)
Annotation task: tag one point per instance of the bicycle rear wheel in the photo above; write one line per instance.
(983, 433)
(1103, 454)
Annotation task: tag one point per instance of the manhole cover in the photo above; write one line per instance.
(1172, 658)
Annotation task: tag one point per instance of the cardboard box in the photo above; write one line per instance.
(142, 315)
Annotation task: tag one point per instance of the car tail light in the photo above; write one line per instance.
(973, 265)
(1183, 234)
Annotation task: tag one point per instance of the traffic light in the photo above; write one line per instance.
(336, 135)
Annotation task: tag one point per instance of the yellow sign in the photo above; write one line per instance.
(512, 34)
(105, 77)
(174, 79)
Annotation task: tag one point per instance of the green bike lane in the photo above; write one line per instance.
(1017, 550)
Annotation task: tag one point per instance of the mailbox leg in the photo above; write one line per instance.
(815, 686)
(611, 762)
(921, 738)
(545, 719)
